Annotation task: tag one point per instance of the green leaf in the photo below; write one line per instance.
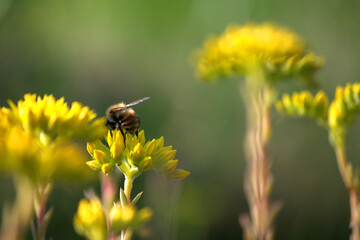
(123, 198)
(136, 199)
(177, 174)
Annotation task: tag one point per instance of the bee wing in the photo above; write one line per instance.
(137, 102)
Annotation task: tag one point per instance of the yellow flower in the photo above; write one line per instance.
(305, 104)
(23, 153)
(345, 106)
(89, 220)
(5, 120)
(135, 155)
(337, 117)
(246, 49)
(64, 160)
(36, 134)
(20, 153)
(128, 217)
(343, 110)
(55, 119)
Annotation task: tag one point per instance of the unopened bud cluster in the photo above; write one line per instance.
(305, 104)
(337, 117)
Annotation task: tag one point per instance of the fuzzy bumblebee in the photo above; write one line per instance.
(120, 116)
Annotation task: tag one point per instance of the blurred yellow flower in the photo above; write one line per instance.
(134, 155)
(36, 138)
(55, 119)
(20, 152)
(89, 220)
(5, 120)
(305, 104)
(337, 117)
(343, 110)
(345, 105)
(249, 48)
(123, 217)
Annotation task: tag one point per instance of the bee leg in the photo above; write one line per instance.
(137, 133)
(123, 134)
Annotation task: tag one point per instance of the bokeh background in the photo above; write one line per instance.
(104, 52)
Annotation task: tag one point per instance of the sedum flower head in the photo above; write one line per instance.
(243, 50)
(56, 119)
(343, 110)
(89, 220)
(337, 117)
(305, 104)
(134, 155)
(123, 217)
(36, 134)
(345, 105)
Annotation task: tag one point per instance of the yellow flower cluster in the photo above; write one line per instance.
(345, 106)
(305, 104)
(89, 220)
(242, 50)
(134, 155)
(341, 113)
(55, 119)
(123, 217)
(36, 134)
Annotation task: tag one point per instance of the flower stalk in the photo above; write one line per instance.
(43, 217)
(352, 188)
(128, 184)
(15, 221)
(258, 177)
(128, 187)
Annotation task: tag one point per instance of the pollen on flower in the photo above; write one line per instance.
(241, 50)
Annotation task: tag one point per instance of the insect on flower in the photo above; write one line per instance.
(120, 116)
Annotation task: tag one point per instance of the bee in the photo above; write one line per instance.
(120, 116)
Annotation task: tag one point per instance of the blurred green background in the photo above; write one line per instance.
(104, 52)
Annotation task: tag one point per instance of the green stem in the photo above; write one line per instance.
(128, 184)
(127, 188)
(342, 165)
(346, 175)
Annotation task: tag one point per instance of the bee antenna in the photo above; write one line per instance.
(137, 102)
